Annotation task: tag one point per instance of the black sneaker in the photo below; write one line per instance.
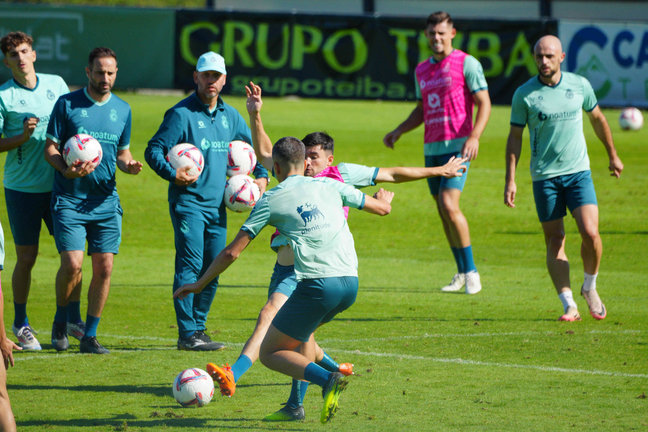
(90, 345)
(200, 334)
(194, 343)
(287, 413)
(59, 336)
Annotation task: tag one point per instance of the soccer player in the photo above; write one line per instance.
(85, 203)
(7, 421)
(26, 102)
(551, 105)
(449, 84)
(319, 159)
(196, 202)
(307, 211)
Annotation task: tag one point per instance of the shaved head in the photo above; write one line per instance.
(549, 42)
(548, 55)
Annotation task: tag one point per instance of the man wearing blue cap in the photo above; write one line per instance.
(196, 203)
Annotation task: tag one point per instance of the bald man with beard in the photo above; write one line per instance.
(551, 104)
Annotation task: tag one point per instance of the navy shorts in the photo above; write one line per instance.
(99, 222)
(283, 281)
(553, 196)
(435, 184)
(315, 302)
(26, 210)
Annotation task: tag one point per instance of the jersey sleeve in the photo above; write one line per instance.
(351, 197)
(168, 135)
(358, 175)
(258, 219)
(474, 74)
(518, 110)
(589, 97)
(124, 139)
(56, 128)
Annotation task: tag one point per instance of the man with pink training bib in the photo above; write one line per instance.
(449, 85)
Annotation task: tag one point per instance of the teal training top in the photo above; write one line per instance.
(309, 212)
(555, 119)
(109, 122)
(26, 169)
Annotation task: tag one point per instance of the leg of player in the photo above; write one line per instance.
(20, 283)
(7, 420)
(67, 278)
(294, 407)
(289, 356)
(75, 325)
(558, 267)
(586, 217)
(458, 234)
(102, 265)
(227, 376)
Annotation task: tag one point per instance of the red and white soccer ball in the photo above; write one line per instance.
(631, 119)
(193, 387)
(185, 155)
(241, 158)
(82, 148)
(241, 193)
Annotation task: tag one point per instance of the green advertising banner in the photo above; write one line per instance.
(63, 36)
(346, 56)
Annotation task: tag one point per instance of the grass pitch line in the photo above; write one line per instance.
(491, 364)
(470, 335)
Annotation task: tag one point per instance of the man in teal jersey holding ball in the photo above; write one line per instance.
(196, 202)
(551, 105)
(85, 203)
(308, 211)
(26, 102)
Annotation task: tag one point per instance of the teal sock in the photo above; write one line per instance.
(297, 393)
(92, 322)
(316, 374)
(328, 363)
(242, 364)
(74, 312)
(61, 314)
(467, 258)
(20, 314)
(458, 259)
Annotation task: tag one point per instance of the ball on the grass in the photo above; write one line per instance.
(193, 387)
(631, 119)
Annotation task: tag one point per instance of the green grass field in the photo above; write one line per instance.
(497, 361)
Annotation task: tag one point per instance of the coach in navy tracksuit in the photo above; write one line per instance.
(196, 203)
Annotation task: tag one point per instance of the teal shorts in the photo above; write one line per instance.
(435, 184)
(553, 196)
(26, 210)
(315, 302)
(96, 221)
(283, 280)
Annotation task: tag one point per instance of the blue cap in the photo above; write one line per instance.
(210, 61)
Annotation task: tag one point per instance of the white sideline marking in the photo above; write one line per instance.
(482, 363)
(24, 357)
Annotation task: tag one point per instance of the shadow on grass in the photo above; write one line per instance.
(170, 420)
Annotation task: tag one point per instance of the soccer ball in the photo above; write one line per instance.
(193, 387)
(631, 119)
(186, 155)
(83, 148)
(241, 193)
(241, 158)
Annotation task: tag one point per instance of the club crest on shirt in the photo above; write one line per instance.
(50, 95)
(224, 122)
(309, 213)
(113, 115)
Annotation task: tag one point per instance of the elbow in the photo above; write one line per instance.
(231, 255)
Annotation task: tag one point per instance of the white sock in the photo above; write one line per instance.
(567, 300)
(590, 282)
